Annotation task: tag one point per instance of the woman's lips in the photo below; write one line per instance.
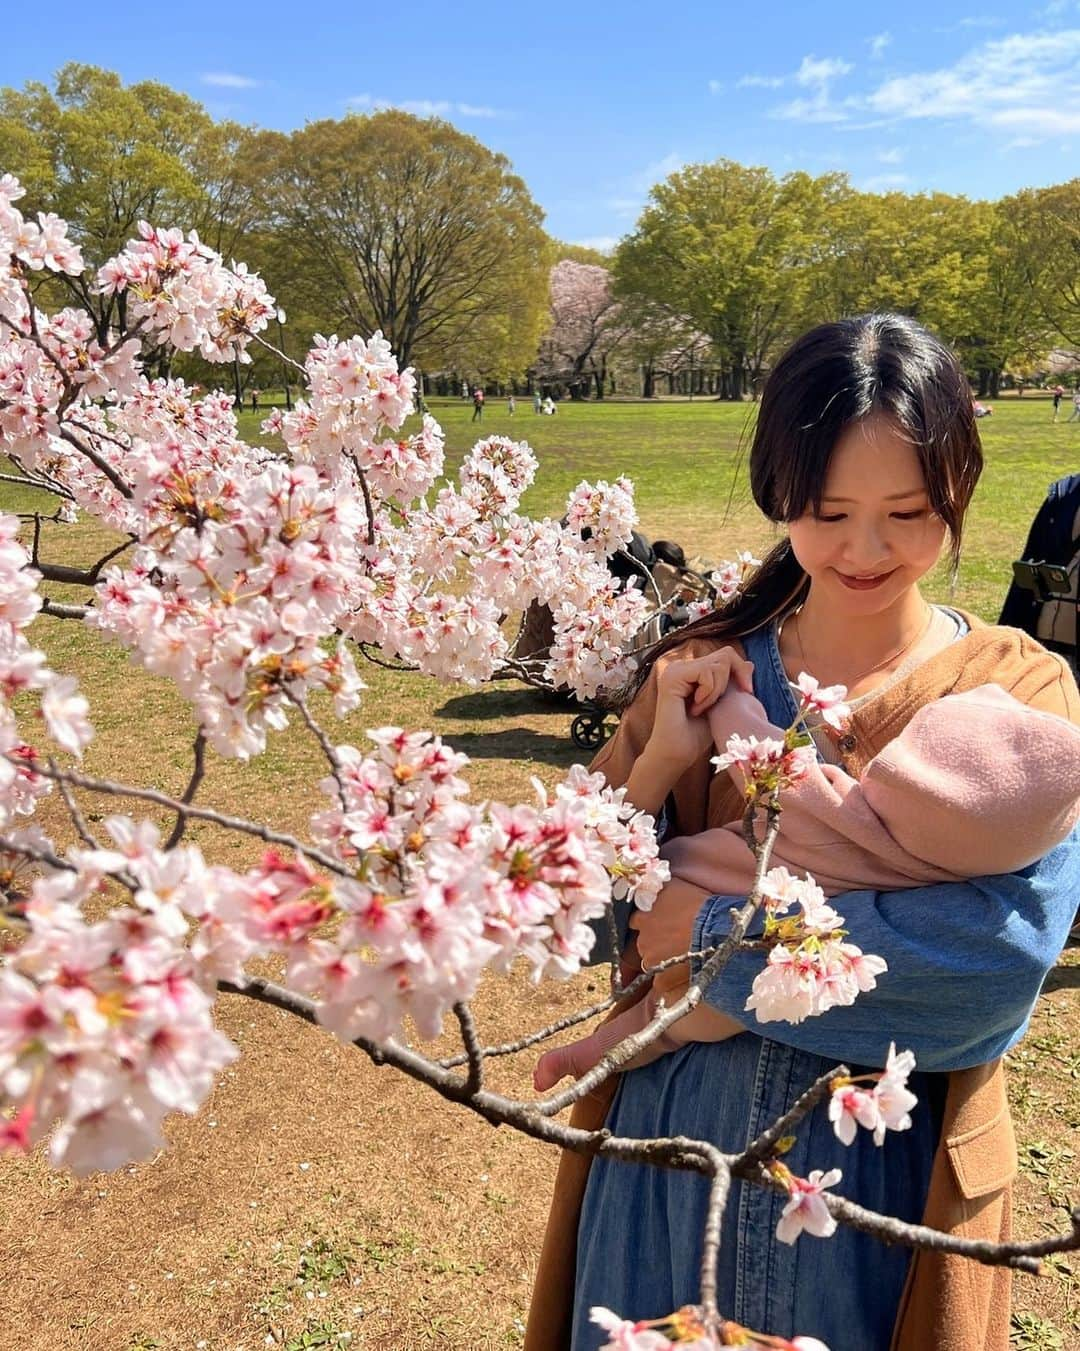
(865, 583)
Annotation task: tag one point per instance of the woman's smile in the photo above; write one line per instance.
(867, 582)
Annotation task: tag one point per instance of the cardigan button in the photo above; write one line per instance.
(847, 743)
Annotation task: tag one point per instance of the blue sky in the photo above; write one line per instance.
(594, 103)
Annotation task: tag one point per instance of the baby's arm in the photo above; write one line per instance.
(700, 1024)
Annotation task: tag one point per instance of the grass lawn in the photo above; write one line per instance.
(319, 1201)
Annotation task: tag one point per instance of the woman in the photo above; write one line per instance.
(866, 448)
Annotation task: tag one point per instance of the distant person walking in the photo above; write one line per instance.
(478, 404)
(1058, 392)
(255, 400)
(538, 402)
(464, 389)
(511, 406)
(1074, 416)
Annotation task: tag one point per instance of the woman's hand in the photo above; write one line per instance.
(686, 690)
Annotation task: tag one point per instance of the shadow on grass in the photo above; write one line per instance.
(1062, 978)
(519, 743)
(513, 702)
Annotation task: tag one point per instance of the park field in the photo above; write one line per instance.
(318, 1201)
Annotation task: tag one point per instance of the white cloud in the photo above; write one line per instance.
(813, 71)
(603, 243)
(716, 86)
(759, 82)
(816, 74)
(424, 107)
(225, 79)
(632, 191)
(893, 156)
(1021, 143)
(885, 182)
(1026, 82)
(878, 45)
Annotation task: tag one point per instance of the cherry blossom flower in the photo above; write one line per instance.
(806, 1209)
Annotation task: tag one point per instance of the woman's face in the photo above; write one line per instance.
(876, 535)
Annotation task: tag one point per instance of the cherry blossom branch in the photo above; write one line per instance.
(674, 1152)
(325, 744)
(237, 823)
(630, 1046)
(36, 483)
(367, 499)
(296, 365)
(474, 1081)
(765, 1144)
(60, 572)
(99, 462)
(719, 1190)
(640, 982)
(77, 818)
(197, 773)
(59, 611)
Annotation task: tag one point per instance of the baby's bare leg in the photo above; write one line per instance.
(700, 1024)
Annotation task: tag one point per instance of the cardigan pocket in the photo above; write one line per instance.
(984, 1159)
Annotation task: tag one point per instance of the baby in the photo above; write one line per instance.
(976, 784)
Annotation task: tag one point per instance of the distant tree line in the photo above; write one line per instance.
(410, 226)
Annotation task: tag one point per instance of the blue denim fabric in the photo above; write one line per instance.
(969, 959)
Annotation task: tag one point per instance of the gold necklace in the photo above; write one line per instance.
(900, 651)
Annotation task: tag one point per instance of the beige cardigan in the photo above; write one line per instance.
(949, 1303)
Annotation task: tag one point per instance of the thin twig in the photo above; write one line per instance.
(332, 757)
(34, 483)
(237, 823)
(367, 499)
(632, 1045)
(99, 462)
(59, 611)
(474, 1080)
(758, 1150)
(710, 1250)
(78, 820)
(198, 771)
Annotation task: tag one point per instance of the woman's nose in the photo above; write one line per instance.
(866, 547)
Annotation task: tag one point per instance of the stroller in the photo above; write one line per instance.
(660, 570)
(1044, 598)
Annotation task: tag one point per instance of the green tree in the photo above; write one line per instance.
(728, 249)
(105, 156)
(1049, 221)
(409, 226)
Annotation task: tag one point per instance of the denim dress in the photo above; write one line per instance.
(966, 961)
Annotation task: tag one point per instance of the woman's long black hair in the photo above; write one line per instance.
(833, 376)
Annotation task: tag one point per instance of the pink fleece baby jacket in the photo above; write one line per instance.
(976, 784)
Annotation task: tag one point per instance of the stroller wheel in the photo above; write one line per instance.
(587, 731)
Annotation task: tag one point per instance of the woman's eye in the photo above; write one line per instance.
(909, 515)
(830, 520)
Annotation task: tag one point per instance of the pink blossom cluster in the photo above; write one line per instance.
(239, 580)
(356, 391)
(885, 1102)
(446, 888)
(684, 1330)
(767, 764)
(606, 511)
(804, 979)
(25, 244)
(105, 1026)
(23, 669)
(180, 290)
(810, 968)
